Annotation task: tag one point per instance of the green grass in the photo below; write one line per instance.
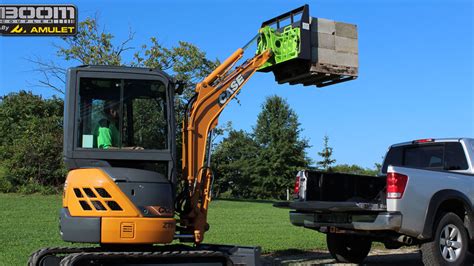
(258, 224)
(30, 222)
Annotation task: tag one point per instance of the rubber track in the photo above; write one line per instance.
(75, 259)
(36, 257)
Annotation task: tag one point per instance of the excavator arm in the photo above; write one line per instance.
(212, 96)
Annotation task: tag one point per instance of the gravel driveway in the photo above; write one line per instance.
(404, 256)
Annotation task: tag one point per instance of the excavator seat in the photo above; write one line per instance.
(309, 51)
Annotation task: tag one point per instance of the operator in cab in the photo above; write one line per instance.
(106, 132)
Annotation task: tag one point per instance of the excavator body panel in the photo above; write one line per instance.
(117, 206)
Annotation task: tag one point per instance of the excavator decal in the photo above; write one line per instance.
(234, 86)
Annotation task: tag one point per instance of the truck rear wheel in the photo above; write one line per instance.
(450, 243)
(348, 248)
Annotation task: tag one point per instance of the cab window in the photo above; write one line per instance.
(121, 114)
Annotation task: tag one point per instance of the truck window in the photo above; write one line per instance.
(439, 156)
(394, 157)
(430, 157)
(455, 158)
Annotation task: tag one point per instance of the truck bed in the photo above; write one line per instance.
(356, 202)
(338, 187)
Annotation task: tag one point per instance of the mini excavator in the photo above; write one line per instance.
(121, 191)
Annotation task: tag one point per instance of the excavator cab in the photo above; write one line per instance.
(115, 116)
(119, 138)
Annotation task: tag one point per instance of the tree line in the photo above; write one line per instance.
(263, 163)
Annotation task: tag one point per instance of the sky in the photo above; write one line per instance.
(415, 57)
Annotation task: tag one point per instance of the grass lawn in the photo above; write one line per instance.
(31, 222)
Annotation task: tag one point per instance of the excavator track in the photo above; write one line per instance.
(53, 255)
(70, 256)
(200, 257)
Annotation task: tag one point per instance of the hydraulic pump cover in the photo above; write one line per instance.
(309, 51)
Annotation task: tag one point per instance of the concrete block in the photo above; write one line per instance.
(348, 45)
(334, 45)
(323, 55)
(323, 40)
(323, 25)
(329, 56)
(346, 59)
(346, 30)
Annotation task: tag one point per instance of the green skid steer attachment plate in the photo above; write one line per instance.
(285, 45)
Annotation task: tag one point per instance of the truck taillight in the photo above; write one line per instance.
(296, 191)
(396, 184)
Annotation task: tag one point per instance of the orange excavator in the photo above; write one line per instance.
(120, 149)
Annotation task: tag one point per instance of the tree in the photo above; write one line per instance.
(231, 165)
(262, 164)
(378, 167)
(326, 155)
(95, 46)
(91, 46)
(187, 63)
(354, 169)
(30, 142)
(282, 151)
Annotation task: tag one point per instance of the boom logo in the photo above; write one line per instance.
(55, 20)
(234, 86)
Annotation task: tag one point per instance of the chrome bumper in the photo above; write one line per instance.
(375, 222)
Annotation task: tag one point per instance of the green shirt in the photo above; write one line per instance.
(107, 135)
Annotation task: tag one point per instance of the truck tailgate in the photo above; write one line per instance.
(333, 206)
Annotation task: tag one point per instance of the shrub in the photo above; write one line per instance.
(31, 143)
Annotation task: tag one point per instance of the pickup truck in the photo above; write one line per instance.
(422, 196)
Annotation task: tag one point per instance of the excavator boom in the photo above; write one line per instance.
(212, 96)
